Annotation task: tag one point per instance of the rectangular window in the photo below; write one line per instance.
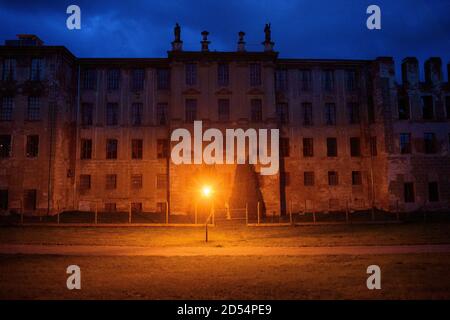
(191, 74)
(405, 143)
(113, 79)
(427, 108)
(305, 80)
(136, 181)
(111, 181)
(408, 188)
(32, 148)
(430, 144)
(333, 179)
(353, 112)
(331, 147)
(330, 114)
(350, 80)
(85, 181)
(4, 200)
(433, 192)
(136, 149)
(191, 110)
(34, 109)
(9, 70)
(30, 199)
(136, 114)
(355, 147)
(256, 110)
(86, 149)
(282, 110)
(136, 207)
(161, 181)
(307, 114)
(308, 178)
(111, 149)
(224, 109)
(87, 114)
(110, 207)
(6, 108)
(161, 113)
(223, 74)
(89, 79)
(328, 80)
(281, 80)
(163, 79)
(137, 79)
(284, 147)
(255, 74)
(447, 106)
(112, 114)
(308, 147)
(37, 69)
(356, 178)
(373, 146)
(404, 111)
(162, 148)
(5, 146)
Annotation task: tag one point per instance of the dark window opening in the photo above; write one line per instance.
(331, 147)
(5, 146)
(308, 147)
(308, 178)
(32, 148)
(433, 192)
(30, 199)
(409, 192)
(356, 178)
(333, 178)
(256, 110)
(427, 108)
(86, 149)
(111, 149)
(355, 147)
(136, 149)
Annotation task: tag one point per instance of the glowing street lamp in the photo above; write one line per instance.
(206, 191)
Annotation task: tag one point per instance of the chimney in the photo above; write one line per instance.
(433, 71)
(205, 43)
(25, 40)
(241, 42)
(410, 72)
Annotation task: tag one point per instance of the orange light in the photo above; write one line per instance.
(206, 191)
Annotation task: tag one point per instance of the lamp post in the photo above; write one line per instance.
(206, 193)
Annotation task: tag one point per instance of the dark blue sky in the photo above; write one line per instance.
(303, 29)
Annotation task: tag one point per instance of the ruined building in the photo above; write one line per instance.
(78, 133)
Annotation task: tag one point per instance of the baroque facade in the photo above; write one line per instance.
(94, 133)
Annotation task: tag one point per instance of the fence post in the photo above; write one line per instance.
(258, 214)
(246, 213)
(129, 212)
(314, 213)
(346, 211)
(167, 212)
(96, 211)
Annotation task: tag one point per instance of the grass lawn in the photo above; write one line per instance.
(334, 235)
(415, 276)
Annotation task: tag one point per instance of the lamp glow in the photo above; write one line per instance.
(206, 191)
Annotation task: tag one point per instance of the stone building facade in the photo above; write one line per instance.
(94, 133)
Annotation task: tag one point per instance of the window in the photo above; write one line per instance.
(3, 200)
(32, 148)
(408, 188)
(405, 143)
(111, 181)
(87, 114)
(224, 109)
(353, 112)
(429, 140)
(9, 70)
(404, 112)
(308, 147)
(112, 79)
(447, 106)
(162, 149)
(136, 181)
(110, 207)
(191, 74)
(281, 80)
(136, 207)
(223, 75)
(427, 108)
(355, 147)
(111, 149)
(307, 114)
(85, 181)
(161, 181)
(308, 178)
(433, 192)
(86, 149)
(284, 147)
(328, 80)
(356, 178)
(37, 69)
(136, 114)
(282, 111)
(331, 147)
(30, 199)
(370, 109)
(89, 79)
(6, 108)
(330, 114)
(350, 80)
(191, 110)
(161, 113)
(255, 74)
(162, 79)
(305, 80)
(256, 110)
(34, 109)
(112, 114)
(333, 178)
(5, 146)
(137, 79)
(373, 146)
(136, 149)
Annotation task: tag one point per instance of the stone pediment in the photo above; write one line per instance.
(223, 91)
(255, 91)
